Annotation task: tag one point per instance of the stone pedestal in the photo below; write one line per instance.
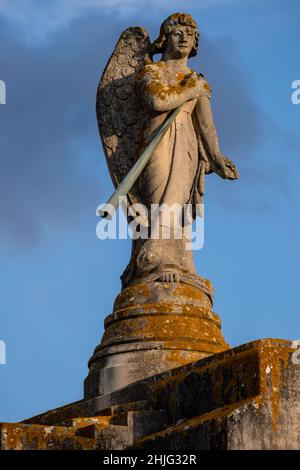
(154, 327)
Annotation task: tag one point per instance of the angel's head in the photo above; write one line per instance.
(178, 35)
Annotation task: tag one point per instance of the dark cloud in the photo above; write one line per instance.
(237, 116)
(247, 134)
(51, 158)
(52, 166)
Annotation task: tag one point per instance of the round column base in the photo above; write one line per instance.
(154, 327)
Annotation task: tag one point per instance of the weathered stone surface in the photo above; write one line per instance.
(154, 327)
(19, 436)
(117, 432)
(134, 97)
(247, 399)
(244, 398)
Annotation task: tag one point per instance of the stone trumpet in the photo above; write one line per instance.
(108, 209)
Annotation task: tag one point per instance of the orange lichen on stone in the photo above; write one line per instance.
(234, 393)
(161, 309)
(25, 437)
(144, 294)
(272, 359)
(157, 326)
(242, 384)
(162, 327)
(100, 421)
(157, 86)
(80, 435)
(225, 382)
(237, 375)
(206, 86)
(188, 425)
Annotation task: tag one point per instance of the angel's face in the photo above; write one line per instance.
(180, 42)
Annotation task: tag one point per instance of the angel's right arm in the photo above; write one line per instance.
(161, 96)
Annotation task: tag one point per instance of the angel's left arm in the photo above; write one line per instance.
(217, 162)
(206, 124)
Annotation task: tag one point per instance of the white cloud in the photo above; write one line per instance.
(38, 18)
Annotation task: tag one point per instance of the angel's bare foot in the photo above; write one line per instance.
(169, 277)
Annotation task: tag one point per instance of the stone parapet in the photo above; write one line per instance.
(247, 397)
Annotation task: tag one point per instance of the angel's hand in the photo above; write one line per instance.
(193, 84)
(225, 168)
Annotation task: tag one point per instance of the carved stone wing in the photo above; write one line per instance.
(118, 109)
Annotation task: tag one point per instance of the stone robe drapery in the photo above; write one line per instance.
(170, 177)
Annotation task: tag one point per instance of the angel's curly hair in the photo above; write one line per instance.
(174, 20)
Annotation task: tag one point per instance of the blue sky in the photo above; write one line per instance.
(57, 280)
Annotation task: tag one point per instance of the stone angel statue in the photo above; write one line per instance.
(135, 95)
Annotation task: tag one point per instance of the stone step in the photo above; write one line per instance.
(131, 418)
(121, 430)
(138, 405)
(100, 421)
(124, 429)
(113, 437)
(98, 432)
(147, 422)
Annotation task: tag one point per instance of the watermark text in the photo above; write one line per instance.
(2, 92)
(295, 357)
(2, 352)
(295, 97)
(158, 222)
